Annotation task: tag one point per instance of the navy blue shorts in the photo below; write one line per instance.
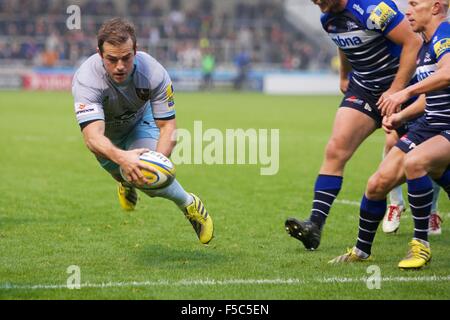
(363, 104)
(421, 132)
(446, 134)
(368, 105)
(403, 129)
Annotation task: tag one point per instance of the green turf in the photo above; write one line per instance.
(58, 208)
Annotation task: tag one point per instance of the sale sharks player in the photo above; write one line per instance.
(424, 151)
(378, 50)
(124, 105)
(396, 207)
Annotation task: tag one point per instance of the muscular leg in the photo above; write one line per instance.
(350, 129)
(431, 157)
(373, 205)
(389, 175)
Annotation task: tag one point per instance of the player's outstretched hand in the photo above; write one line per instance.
(131, 166)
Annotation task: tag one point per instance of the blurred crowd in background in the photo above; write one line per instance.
(34, 33)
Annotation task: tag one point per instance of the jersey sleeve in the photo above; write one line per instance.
(442, 44)
(162, 94)
(384, 16)
(88, 106)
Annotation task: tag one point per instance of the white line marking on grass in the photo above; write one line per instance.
(351, 203)
(225, 282)
(433, 278)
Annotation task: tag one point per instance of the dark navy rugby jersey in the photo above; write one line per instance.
(360, 32)
(437, 111)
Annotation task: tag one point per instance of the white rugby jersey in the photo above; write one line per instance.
(97, 97)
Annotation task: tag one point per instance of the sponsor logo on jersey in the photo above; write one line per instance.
(85, 111)
(358, 8)
(427, 57)
(347, 42)
(425, 71)
(82, 108)
(354, 99)
(382, 15)
(169, 94)
(441, 46)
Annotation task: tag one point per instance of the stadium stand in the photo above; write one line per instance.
(34, 32)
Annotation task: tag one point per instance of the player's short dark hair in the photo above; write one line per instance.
(116, 31)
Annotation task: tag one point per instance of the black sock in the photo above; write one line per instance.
(370, 215)
(326, 190)
(420, 196)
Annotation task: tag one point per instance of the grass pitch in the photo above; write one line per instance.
(59, 208)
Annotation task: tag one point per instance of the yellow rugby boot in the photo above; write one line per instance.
(350, 256)
(200, 219)
(418, 256)
(127, 197)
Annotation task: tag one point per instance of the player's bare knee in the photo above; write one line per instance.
(378, 186)
(372, 186)
(335, 151)
(415, 166)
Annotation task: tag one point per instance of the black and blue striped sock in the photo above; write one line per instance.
(420, 196)
(370, 214)
(444, 181)
(326, 190)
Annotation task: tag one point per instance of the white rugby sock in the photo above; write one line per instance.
(396, 196)
(436, 191)
(173, 192)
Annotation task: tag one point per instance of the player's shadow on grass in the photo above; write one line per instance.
(160, 255)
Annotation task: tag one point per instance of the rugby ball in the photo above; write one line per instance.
(165, 170)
